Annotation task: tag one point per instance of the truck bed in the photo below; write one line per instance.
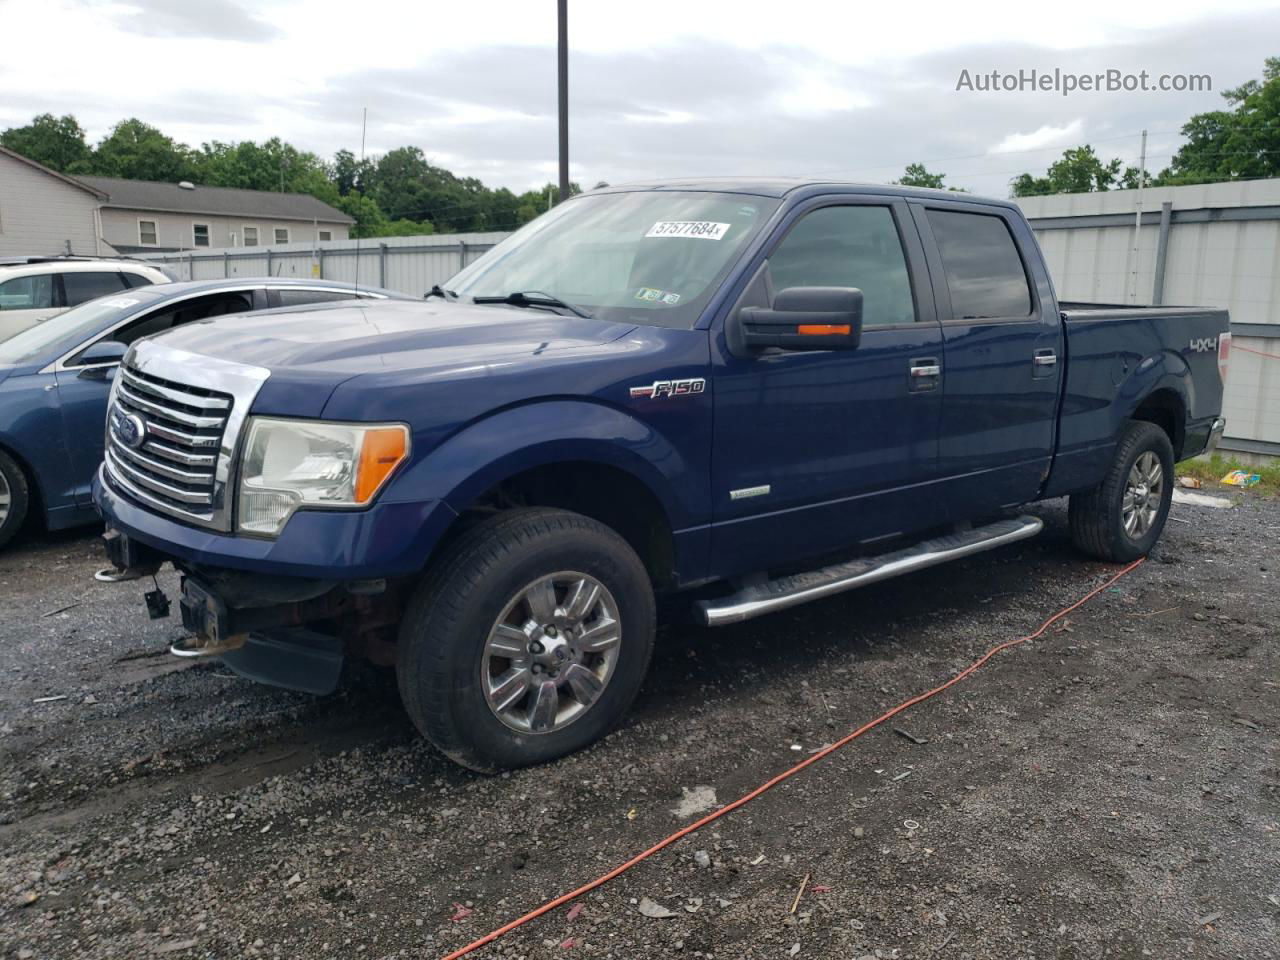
(1118, 351)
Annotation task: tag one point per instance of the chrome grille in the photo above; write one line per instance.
(174, 465)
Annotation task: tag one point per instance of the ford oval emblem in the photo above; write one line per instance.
(131, 431)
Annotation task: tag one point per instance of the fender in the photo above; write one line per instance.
(520, 438)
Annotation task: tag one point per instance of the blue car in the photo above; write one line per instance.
(55, 378)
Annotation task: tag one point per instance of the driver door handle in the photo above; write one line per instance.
(924, 374)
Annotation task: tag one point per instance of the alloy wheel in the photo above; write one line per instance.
(1143, 493)
(551, 653)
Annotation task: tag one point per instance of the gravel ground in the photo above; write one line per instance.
(1112, 790)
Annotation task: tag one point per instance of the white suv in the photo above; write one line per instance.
(33, 288)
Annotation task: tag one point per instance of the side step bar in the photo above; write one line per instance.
(774, 595)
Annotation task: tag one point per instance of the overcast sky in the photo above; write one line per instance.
(659, 88)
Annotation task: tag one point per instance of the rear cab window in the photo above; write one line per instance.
(985, 274)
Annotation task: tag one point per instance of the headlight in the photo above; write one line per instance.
(309, 463)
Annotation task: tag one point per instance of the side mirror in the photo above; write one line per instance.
(104, 351)
(805, 318)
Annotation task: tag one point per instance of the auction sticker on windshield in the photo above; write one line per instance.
(701, 229)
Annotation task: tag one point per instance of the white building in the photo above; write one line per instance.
(145, 216)
(43, 213)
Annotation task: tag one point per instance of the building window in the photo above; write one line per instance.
(326, 235)
(282, 234)
(147, 233)
(200, 234)
(250, 236)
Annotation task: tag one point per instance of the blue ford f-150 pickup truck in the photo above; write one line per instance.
(769, 391)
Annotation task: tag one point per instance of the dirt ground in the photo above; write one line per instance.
(1112, 790)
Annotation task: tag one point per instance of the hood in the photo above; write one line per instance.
(335, 341)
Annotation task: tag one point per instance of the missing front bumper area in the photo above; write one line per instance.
(298, 644)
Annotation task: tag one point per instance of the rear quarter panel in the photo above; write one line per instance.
(1116, 359)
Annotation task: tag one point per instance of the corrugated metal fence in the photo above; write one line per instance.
(1215, 245)
(404, 264)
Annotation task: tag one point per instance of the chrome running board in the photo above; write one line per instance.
(774, 595)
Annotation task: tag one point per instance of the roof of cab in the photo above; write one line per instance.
(779, 187)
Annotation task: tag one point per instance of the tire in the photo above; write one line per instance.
(15, 498)
(481, 600)
(1099, 526)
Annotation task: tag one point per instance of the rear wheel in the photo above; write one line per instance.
(527, 640)
(14, 498)
(1122, 518)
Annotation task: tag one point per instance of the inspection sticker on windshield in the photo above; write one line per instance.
(701, 229)
(119, 302)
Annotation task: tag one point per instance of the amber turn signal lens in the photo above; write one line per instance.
(822, 329)
(382, 451)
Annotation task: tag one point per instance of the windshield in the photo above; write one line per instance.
(67, 329)
(651, 257)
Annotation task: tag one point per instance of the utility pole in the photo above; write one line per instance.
(562, 10)
(1137, 217)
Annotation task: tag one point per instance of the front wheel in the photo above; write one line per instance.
(1122, 518)
(527, 640)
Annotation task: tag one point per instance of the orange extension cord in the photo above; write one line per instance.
(787, 774)
(1261, 353)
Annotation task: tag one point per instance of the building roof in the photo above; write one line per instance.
(79, 185)
(213, 201)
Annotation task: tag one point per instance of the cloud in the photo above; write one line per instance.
(1067, 135)
(206, 19)
(483, 102)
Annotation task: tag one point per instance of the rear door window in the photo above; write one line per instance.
(984, 272)
(136, 280)
(198, 308)
(297, 298)
(79, 287)
(27, 293)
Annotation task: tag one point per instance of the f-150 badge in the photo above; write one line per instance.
(669, 388)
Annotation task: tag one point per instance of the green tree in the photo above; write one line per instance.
(1243, 141)
(138, 151)
(1078, 170)
(272, 165)
(400, 228)
(348, 173)
(917, 176)
(56, 142)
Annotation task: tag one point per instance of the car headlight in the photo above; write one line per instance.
(290, 464)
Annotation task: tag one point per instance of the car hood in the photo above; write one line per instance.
(344, 340)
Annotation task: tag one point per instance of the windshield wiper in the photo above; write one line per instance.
(533, 298)
(439, 291)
